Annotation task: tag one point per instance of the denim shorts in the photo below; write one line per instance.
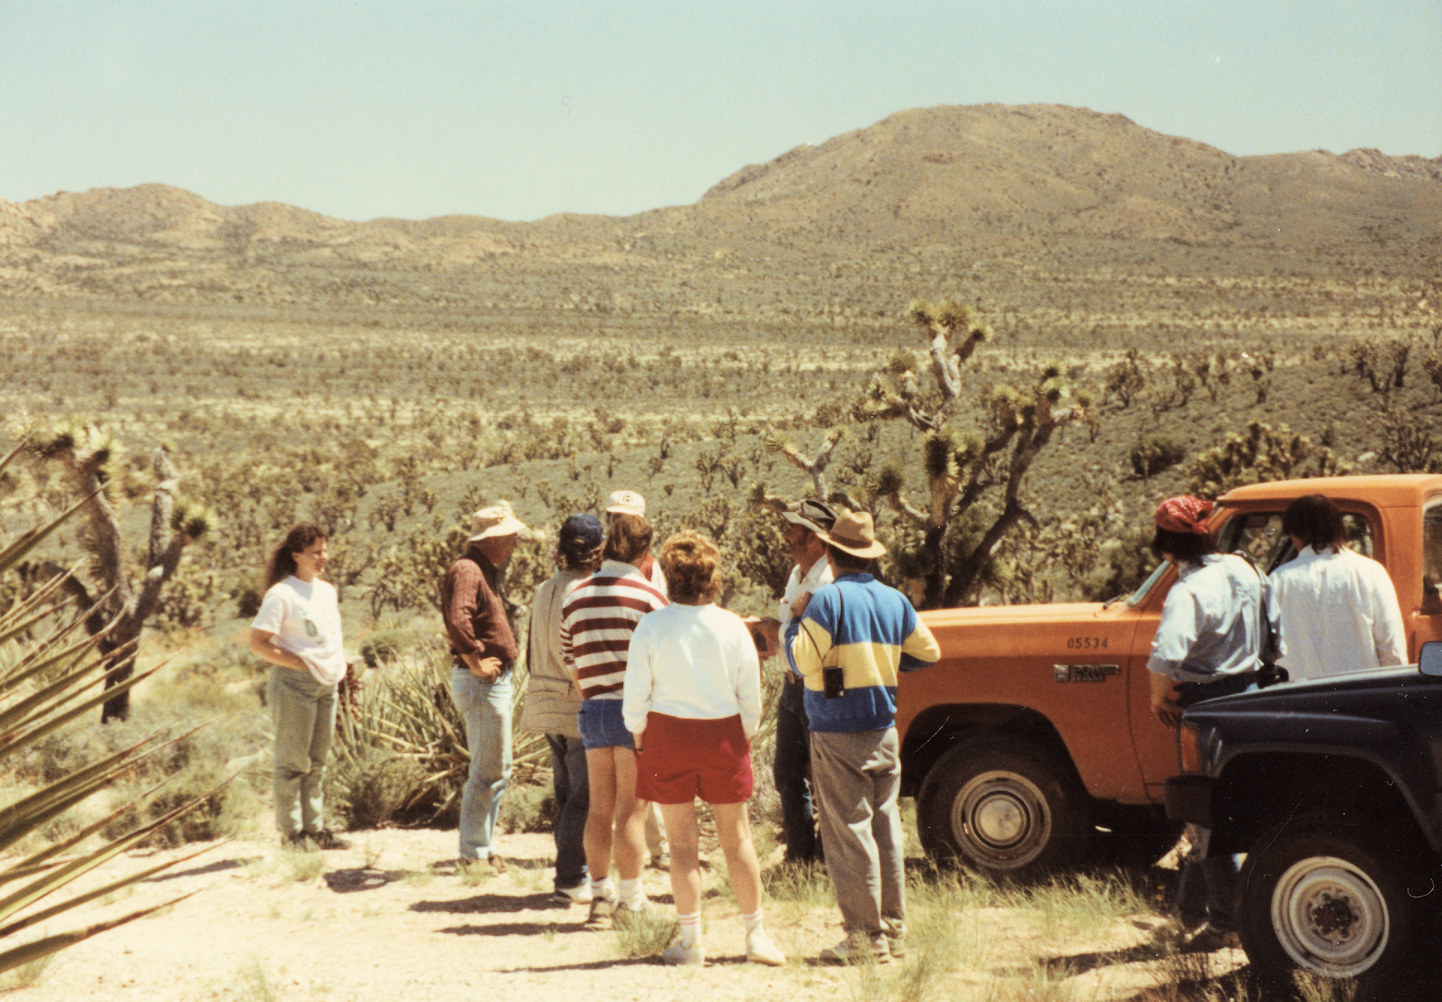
(601, 724)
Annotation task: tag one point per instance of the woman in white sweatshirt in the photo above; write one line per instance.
(692, 701)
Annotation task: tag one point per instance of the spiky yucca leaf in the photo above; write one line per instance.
(15, 549)
(30, 952)
(9, 456)
(43, 683)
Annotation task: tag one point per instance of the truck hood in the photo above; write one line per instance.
(1015, 614)
(1353, 681)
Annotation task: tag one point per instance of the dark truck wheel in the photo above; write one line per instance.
(1006, 808)
(1330, 902)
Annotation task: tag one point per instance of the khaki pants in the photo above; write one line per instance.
(303, 711)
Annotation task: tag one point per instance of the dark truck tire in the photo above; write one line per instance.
(1330, 902)
(1008, 808)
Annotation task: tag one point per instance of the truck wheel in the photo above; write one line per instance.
(1328, 902)
(1008, 809)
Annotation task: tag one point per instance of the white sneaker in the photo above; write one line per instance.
(760, 949)
(856, 949)
(677, 955)
(578, 895)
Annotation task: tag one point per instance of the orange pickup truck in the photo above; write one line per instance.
(1033, 739)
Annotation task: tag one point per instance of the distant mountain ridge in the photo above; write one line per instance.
(980, 180)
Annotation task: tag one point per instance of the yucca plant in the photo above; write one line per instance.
(47, 683)
(407, 709)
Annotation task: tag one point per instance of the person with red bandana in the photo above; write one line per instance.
(1208, 643)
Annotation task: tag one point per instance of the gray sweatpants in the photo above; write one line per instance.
(857, 778)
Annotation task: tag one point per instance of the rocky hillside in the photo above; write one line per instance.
(1071, 188)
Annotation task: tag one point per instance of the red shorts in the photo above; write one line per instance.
(684, 758)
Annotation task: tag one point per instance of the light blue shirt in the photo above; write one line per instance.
(1211, 621)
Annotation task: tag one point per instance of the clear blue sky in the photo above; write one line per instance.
(518, 110)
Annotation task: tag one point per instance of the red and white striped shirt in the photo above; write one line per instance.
(597, 620)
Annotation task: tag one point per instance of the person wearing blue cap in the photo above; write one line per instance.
(552, 702)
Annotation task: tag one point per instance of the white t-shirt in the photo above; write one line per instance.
(692, 661)
(305, 618)
(811, 581)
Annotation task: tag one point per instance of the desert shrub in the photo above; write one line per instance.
(369, 787)
(214, 755)
(1155, 453)
(190, 600)
(527, 807)
(385, 646)
(247, 601)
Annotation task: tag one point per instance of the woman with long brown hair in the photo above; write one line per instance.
(298, 632)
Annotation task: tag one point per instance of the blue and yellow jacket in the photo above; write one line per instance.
(873, 633)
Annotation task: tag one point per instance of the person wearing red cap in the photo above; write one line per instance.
(1208, 643)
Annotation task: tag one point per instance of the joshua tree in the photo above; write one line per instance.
(119, 607)
(948, 541)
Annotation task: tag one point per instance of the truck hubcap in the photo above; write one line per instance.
(1330, 917)
(1002, 818)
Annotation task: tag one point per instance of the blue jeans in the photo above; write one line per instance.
(485, 707)
(793, 785)
(573, 801)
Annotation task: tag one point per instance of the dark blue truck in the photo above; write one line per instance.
(1333, 789)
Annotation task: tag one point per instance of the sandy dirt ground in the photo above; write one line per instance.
(389, 919)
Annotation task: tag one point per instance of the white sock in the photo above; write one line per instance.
(631, 893)
(752, 921)
(602, 888)
(690, 928)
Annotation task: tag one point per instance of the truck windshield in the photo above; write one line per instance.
(1137, 597)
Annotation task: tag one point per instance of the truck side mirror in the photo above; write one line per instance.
(1430, 661)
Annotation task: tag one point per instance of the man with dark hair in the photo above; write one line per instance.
(855, 635)
(483, 644)
(1339, 609)
(552, 702)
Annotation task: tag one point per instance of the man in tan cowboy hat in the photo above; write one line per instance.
(848, 646)
(483, 644)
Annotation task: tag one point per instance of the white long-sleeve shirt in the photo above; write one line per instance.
(692, 661)
(1339, 613)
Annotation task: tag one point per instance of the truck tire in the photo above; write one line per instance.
(1005, 808)
(1327, 901)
